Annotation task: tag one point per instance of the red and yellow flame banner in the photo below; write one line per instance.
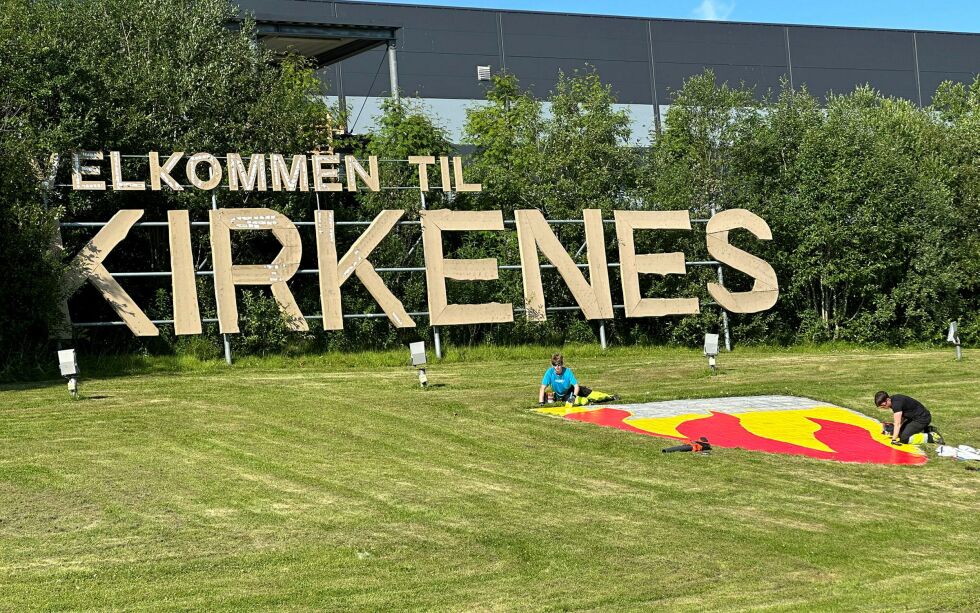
(774, 424)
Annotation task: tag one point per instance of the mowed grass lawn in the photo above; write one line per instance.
(335, 483)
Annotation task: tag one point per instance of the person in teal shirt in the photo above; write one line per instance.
(562, 382)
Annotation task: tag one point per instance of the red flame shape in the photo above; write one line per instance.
(850, 443)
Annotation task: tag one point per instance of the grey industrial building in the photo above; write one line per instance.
(434, 53)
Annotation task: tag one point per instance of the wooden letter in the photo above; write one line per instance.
(214, 172)
(461, 185)
(255, 174)
(438, 268)
(321, 174)
(533, 233)
(158, 172)
(294, 175)
(765, 288)
(187, 313)
(355, 261)
(115, 165)
(78, 172)
(228, 275)
(423, 161)
(354, 170)
(444, 173)
(87, 266)
(632, 265)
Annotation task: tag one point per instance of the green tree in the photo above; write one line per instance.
(404, 128)
(508, 135)
(571, 154)
(958, 106)
(866, 215)
(132, 76)
(869, 200)
(689, 166)
(576, 155)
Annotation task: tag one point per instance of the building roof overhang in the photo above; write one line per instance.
(324, 43)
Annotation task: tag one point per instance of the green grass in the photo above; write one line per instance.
(335, 483)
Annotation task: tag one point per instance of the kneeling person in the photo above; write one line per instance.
(911, 417)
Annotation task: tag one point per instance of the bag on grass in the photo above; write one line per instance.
(591, 396)
(963, 452)
(597, 396)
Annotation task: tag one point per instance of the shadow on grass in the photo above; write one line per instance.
(31, 385)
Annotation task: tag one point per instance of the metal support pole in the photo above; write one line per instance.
(724, 313)
(224, 337)
(602, 333)
(959, 352)
(341, 96)
(393, 70)
(724, 320)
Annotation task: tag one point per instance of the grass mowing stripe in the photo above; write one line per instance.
(334, 482)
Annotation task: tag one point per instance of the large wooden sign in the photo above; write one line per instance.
(593, 298)
(322, 173)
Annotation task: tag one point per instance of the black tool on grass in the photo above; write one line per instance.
(699, 446)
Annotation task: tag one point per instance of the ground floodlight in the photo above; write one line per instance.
(711, 349)
(954, 337)
(68, 362)
(418, 353)
(418, 360)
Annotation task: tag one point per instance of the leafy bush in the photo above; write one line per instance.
(265, 328)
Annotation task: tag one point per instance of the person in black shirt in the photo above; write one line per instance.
(911, 417)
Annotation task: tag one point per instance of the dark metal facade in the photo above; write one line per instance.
(643, 59)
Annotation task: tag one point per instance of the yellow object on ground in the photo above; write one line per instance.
(580, 401)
